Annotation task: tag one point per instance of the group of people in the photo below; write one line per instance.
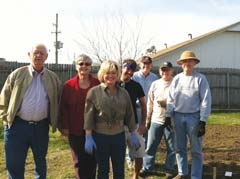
(102, 116)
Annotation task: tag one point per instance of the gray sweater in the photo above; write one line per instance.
(189, 94)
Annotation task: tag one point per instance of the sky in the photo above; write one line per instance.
(26, 22)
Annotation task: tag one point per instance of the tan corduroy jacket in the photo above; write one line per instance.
(13, 91)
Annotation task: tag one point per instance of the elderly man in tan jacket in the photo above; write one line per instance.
(29, 102)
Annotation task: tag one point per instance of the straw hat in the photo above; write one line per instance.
(186, 55)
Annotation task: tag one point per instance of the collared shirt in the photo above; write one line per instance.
(34, 106)
(145, 82)
(107, 114)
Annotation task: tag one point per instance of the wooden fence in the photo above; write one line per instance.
(224, 83)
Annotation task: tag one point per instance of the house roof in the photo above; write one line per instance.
(182, 44)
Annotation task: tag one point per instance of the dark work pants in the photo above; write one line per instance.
(84, 164)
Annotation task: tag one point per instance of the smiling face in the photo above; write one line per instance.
(166, 73)
(146, 67)
(109, 73)
(127, 74)
(38, 56)
(83, 66)
(188, 66)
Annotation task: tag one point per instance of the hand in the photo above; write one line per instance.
(142, 129)
(201, 128)
(148, 124)
(64, 132)
(168, 123)
(90, 145)
(134, 141)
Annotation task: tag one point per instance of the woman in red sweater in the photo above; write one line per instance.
(72, 116)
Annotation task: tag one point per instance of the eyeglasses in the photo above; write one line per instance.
(86, 64)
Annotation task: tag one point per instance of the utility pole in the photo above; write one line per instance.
(57, 44)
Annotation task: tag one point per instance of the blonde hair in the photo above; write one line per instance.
(108, 66)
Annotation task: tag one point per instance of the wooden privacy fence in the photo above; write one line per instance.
(224, 83)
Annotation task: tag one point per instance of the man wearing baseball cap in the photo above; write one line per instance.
(189, 103)
(135, 92)
(155, 122)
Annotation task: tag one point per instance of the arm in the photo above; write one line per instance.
(149, 106)
(64, 113)
(4, 99)
(142, 128)
(206, 100)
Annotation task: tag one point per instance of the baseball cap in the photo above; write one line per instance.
(166, 65)
(130, 64)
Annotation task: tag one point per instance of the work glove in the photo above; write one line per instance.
(168, 124)
(201, 128)
(90, 145)
(134, 141)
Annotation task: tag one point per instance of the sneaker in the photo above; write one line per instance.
(168, 175)
(144, 173)
(181, 177)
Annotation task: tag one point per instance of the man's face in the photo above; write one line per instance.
(146, 67)
(188, 65)
(127, 74)
(166, 73)
(38, 56)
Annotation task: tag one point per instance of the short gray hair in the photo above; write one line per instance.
(84, 58)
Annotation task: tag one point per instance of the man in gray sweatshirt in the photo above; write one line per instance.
(189, 103)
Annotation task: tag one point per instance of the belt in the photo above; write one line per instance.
(31, 122)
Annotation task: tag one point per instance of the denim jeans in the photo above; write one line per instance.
(18, 139)
(110, 147)
(155, 134)
(186, 128)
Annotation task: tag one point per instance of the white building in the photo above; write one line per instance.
(216, 49)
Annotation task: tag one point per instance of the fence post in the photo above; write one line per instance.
(214, 172)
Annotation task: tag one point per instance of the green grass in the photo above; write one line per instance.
(59, 156)
(232, 118)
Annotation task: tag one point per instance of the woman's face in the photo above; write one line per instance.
(110, 78)
(83, 67)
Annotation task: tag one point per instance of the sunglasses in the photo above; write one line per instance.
(86, 64)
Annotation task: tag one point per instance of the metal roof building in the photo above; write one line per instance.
(216, 49)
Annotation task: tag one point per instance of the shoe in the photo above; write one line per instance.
(144, 173)
(181, 177)
(168, 175)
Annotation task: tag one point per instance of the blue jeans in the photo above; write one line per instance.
(110, 147)
(18, 139)
(155, 134)
(186, 128)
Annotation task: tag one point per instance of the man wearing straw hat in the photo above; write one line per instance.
(189, 103)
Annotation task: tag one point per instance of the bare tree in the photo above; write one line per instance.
(113, 37)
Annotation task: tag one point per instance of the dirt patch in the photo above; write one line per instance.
(221, 147)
